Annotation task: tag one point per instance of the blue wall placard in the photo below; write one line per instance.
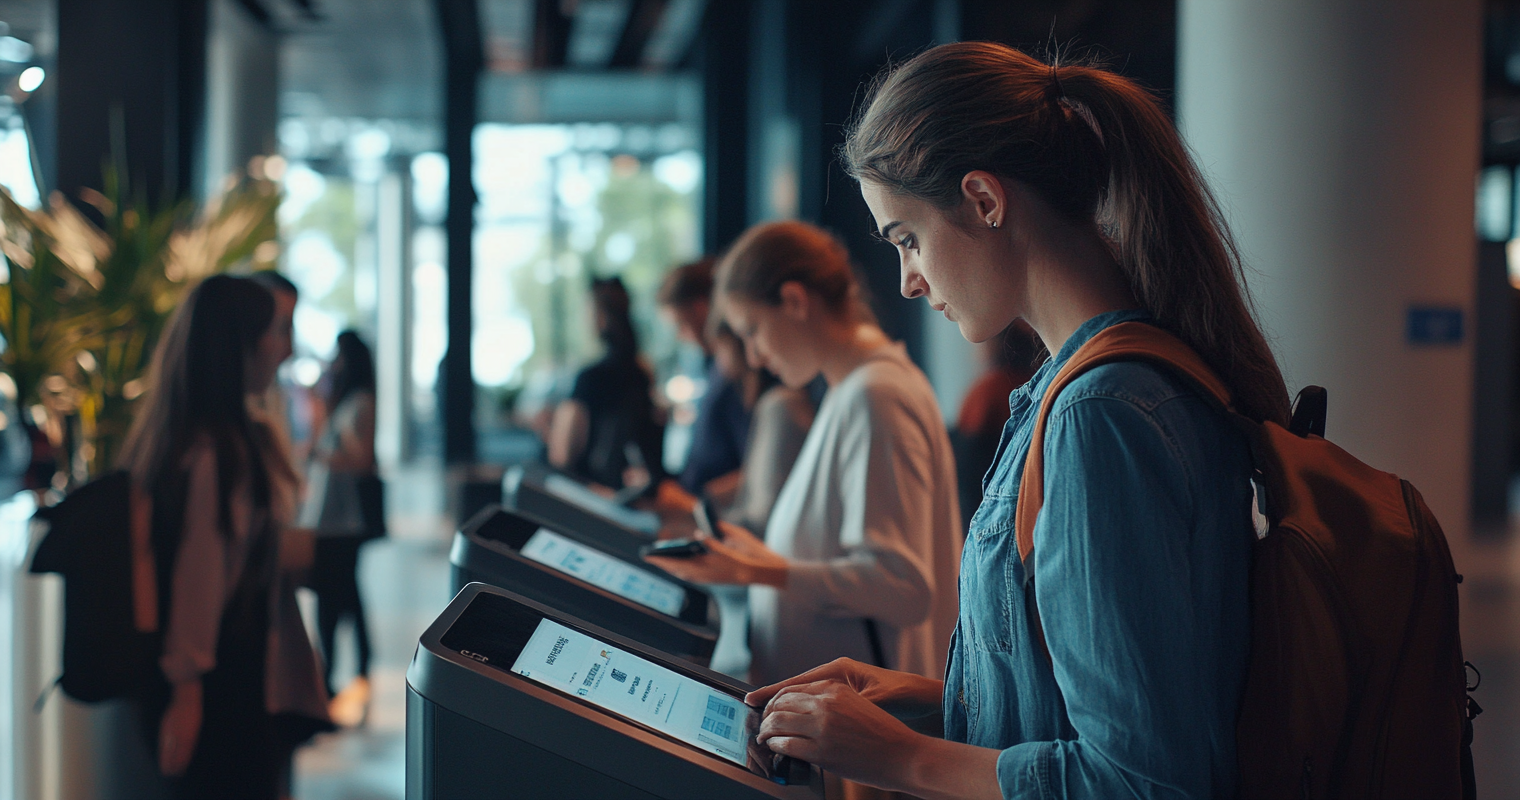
(1432, 325)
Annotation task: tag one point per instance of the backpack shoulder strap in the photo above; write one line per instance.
(1127, 341)
(144, 570)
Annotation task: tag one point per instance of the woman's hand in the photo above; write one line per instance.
(836, 717)
(901, 693)
(829, 724)
(671, 498)
(180, 728)
(740, 558)
(675, 507)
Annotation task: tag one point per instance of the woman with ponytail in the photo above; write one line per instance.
(1062, 195)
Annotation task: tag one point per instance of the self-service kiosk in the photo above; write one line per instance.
(507, 697)
(545, 494)
(558, 566)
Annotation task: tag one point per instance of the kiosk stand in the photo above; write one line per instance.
(558, 566)
(544, 494)
(510, 698)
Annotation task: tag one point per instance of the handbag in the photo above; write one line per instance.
(371, 490)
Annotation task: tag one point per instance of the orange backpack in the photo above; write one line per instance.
(1356, 686)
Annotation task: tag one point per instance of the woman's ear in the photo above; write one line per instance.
(985, 198)
(796, 303)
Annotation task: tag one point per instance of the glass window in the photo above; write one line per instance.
(559, 205)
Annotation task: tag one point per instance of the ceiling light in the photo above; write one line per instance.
(30, 79)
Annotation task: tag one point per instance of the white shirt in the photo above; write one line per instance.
(871, 523)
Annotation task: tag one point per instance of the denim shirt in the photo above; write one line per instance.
(1141, 561)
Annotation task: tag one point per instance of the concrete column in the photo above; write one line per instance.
(393, 367)
(1342, 137)
(242, 86)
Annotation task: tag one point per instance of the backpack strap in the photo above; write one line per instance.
(1127, 341)
(144, 570)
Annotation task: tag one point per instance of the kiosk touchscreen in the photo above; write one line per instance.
(519, 552)
(571, 505)
(507, 697)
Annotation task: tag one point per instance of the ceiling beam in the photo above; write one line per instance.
(551, 35)
(459, 21)
(643, 19)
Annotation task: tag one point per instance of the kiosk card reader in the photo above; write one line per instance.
(507, 697)
(569, 505)
(547, 563)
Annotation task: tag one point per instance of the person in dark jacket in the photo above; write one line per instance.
(609, 428)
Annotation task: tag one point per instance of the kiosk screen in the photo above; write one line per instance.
(497, 631)
(596, 568)
(673, 704)
(572, 492)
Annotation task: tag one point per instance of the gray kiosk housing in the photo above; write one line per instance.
(541, 492)
(482, 552)
(477, 731)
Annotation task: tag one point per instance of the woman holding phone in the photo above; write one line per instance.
(1063, 195)
(860, 550)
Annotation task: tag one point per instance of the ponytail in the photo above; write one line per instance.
(1097, 148)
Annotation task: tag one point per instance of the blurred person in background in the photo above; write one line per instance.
(721, 429)
(343, 458)
(780, 417)
(240, 685)
(609, 429)
(1010, 358)
(862, 543)
(271, 405)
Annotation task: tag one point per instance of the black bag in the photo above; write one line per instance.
(111, 640)
(372, 505)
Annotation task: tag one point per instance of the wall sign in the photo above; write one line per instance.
(1434, 326)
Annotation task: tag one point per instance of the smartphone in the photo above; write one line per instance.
(707, 519)
(675, 548)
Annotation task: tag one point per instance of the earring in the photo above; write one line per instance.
(992, 223)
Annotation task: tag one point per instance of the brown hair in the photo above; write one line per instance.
(771, 254)
(196, 388)
(754, 381)
(688, 284)
(1096, 147)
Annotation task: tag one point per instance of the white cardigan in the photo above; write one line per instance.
(870, 521)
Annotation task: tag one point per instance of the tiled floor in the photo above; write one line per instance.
(406, 584)
(404, 580)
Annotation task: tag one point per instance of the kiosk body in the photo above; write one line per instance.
(479, 729)
(654, 608)
(544, 494)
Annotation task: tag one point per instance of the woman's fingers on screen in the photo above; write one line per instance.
(795, 746)
(837, 670)
(787, 724)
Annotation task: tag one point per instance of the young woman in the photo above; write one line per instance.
(780, 417)
(860, 550)
(610, 426)
(241, 686)
(344, 456)
(1063, 195)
